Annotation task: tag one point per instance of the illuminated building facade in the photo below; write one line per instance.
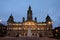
(37, 28)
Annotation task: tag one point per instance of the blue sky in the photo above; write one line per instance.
(40, 9)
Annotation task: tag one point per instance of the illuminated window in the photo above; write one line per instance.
(15, 28)
(42, 28)
(20, 24)
(33, 28)
(47, 28)
(41, 24)
(9, 28)
(38, 28)
(56, 30)
(29, 23)
(25, 28)
(13, 24)
(17, 24)
(20, 28)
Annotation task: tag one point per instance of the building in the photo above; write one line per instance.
(2, 30)
(56, 32)
(36, 28)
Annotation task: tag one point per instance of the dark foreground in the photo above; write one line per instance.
(27, 38)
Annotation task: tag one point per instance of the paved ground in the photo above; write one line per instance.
(26, 38)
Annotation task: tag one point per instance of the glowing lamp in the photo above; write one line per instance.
(49, 22)
(0, 20)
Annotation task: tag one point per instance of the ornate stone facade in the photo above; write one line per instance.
(37, 28)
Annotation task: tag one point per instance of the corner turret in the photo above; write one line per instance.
(11, 19)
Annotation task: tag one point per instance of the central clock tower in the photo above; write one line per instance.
(29, 13)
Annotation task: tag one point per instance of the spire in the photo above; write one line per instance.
(29, 7)
(11, 19)
(48, 18)
(11, 14)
